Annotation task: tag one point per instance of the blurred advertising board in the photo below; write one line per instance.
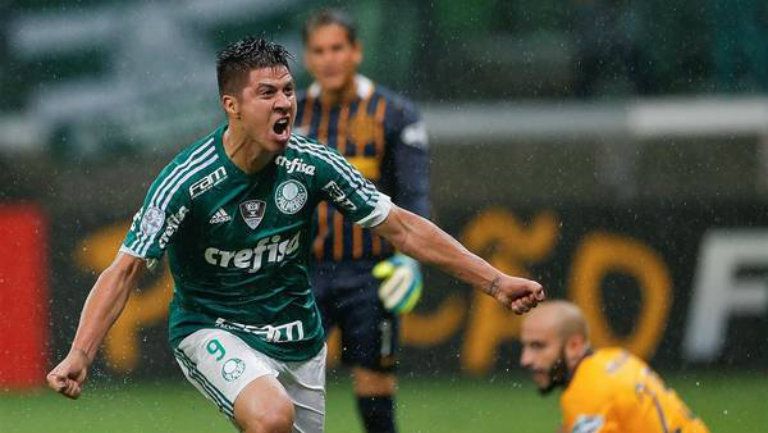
(681, 286)
(24, 296)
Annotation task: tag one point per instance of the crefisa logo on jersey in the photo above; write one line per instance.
(253, 212)
(271, 249)
(172, 224)
(290, 196)
(295, 164)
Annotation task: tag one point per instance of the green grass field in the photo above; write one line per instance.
(732, 403)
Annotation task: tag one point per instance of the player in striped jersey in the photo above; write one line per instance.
(382, 135)
(234, 213)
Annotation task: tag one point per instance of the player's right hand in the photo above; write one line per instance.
(68, 377)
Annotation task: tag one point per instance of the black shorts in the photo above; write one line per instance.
(347, 295)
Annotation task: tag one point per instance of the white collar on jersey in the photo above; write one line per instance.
(364, 87)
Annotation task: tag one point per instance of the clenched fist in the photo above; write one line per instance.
(517, 294)
(68, 377)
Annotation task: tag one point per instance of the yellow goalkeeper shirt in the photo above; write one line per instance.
(614, 391)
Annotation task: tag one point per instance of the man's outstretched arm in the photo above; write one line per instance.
(424, 241)
(102, 307)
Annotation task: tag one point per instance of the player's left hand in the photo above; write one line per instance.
(517, 294)
(68, 377)
(401, 285)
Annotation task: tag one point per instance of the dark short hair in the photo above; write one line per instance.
(237, 59)
(325, 17)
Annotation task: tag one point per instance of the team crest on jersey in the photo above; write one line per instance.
(253, 212)
(232, 369)
(152, 221)
(290, 196)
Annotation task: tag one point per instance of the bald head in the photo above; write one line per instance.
(562, 317)
(555, 338)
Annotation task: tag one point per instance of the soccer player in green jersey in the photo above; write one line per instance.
(234, 213)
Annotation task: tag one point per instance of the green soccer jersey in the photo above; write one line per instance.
(238, 244)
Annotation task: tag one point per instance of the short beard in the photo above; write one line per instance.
(558, 374)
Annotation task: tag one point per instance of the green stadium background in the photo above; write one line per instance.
(615, 150)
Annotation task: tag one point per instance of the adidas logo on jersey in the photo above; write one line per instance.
(221, 216)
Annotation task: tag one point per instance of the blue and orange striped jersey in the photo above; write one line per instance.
(383, 136)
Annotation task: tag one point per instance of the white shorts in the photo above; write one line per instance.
(220, 364)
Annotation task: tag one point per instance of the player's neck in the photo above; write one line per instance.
(246, 154)
(345, 93)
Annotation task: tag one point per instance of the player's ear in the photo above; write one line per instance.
(580, 344)
(230, 105)
(357, 48)
(573, 344)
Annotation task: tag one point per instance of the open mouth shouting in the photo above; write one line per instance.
(282, 129)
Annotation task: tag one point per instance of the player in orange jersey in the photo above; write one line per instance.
(607, 390)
